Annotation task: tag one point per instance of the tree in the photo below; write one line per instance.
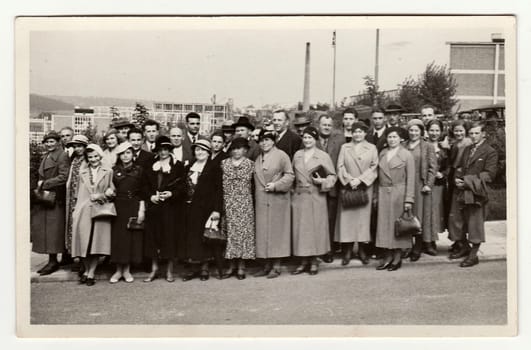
(115, 114)
(409, 96)
(92, 134)
(437, 87)
(371, 96)
(140, 115)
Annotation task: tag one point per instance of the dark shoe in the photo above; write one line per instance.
(49, 269)
(262, 273)
(299, 270)
(274, 273)
(406, 253)
(430, 250)
(204, 275)
(461, 253)
(83, 279)
(225, 275)
(81, 270)
(364, 259)
(384, 265)
(469, 261)
(394, 267)
(414, 256)
(346, 257)
(90, 282)
(190, 276)
(454, 247)
(328, 258)
(66, 259)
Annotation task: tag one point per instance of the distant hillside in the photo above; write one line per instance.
(89, 101)
(40, 104)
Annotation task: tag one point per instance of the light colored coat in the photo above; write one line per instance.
(353, 224)
(273, 219)
(396, 186)
(82, 220)
(309, 210)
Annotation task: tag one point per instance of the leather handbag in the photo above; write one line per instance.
(351, 198)
(407, 224)
(102, 211)
(133, 225)
(46, 198)
(213, 234)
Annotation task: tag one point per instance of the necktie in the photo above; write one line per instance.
(193, 139)
(324, 143)
(376, 135)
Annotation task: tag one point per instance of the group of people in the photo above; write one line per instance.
(289, 194)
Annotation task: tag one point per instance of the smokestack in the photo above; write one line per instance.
(306, 94)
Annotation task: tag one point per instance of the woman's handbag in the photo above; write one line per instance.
(213, 233)
(133, 225)
(102, 211)
(407, 224)
(46, 198)
(351, 198)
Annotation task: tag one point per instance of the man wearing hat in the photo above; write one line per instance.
(47, 221)
(193, 124)
(392, 113)
(301, 122)
(287, 140)
(228, 132)
(243, 128)
(330, 141)
(123, 125)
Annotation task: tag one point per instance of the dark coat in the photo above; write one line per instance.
(48, 224)
(254, 150)
(379, 142)
(145, 159)
(207, 198)
(335, 141)
(188, 154)
(289, 143)
(163, 224)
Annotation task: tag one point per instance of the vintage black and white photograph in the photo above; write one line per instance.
(341, 171)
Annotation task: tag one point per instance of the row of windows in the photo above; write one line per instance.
(188, 107)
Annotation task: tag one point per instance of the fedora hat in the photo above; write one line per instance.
(301, 119)
(393, 108)
(238, 142)
(163, 141)
(78, 140)
(122, 122)
(204, 144)
(227, 126)
(51, 135)
(243, 121)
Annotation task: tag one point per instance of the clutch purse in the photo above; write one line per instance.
(407, 224)
(351, 198)
(102, 211)
(46, 198)
(213, 234)
(133, 225)
(319, 171)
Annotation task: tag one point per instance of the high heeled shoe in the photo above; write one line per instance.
(394, 267)
(204, 275)
(151, 277)
(189, 276)
(240, 275)
(299, 270)
(384, 265)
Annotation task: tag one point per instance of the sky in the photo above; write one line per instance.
(250, 66)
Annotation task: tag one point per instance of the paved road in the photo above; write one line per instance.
(416, 294)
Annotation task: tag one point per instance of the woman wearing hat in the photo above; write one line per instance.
(77, 161)
(164, 189)
(315, 175)
(357, 166)
(203, 204)
(48, 223)
(273, 178)
(396, 194)
(110, 142)
(238, 209)
(91, 238)
(126, 244)
(425, 170)
(243, 128)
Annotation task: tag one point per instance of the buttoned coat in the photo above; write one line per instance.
(353, 224)
(289, 143)
(273, 209)
(309, 210)
(48, 224)
(335, 141)
(82, 220)
(396, 186)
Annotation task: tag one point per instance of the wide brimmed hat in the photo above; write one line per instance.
(96, 148)
(243, 121)
(238, 142)
(124, 146)
(163, 141)
(51, 135)
(122, 122)
(204, 144)
(267, 134)
(227, 126)
(78, 140)
(301, 119)
(393, 108)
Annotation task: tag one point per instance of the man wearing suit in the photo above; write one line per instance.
(140, 155)
(393, 114)
(350, 116)
(476, 169)
(243, 128)
(151, 130)
(193, 123)
(330, 142)
(376, 134)
(287, 140)
(179, 152)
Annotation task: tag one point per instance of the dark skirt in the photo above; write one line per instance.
(162, 230)
(192, 245)
(126, 246)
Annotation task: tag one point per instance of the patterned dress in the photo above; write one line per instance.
(71, 193)
(238, 209)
